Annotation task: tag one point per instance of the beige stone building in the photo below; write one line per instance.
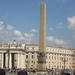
(25, 56)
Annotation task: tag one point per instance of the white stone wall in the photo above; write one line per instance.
(53, 57)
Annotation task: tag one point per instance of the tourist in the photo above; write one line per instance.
(2, 72)
(22, 72)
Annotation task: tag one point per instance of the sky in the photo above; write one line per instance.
(20, 20)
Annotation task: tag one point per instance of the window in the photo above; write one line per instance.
(32, 47)
(26, 52)
(26, 61)
(26, 65)
(73, 59)
(73, 66)
(31, 61)
(32, 52)
(61, 58)
(32, 56)
(27, 48)
(69, 59)
(26, 56)
(49, 57)
(55, 58)
(52, 57)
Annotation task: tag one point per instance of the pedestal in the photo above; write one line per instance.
(42, 63)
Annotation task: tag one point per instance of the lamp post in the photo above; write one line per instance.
(63, 59)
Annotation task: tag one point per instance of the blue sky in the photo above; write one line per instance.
(20, 20)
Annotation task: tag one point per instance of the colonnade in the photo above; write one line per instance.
(8, 60)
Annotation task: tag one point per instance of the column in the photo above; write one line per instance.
(6, 63)
(22, 61)
(18, 61)
(10, 63)
(2, 60)
(29, 60)
(35, 60)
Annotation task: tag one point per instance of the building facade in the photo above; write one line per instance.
(25, 56)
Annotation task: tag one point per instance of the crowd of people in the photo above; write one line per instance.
(18, 72)
(26, 71)
(60, 72)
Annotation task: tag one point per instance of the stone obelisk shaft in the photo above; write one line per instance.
(42, 36)
(42, 39)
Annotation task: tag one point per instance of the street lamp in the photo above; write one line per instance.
(63, 59)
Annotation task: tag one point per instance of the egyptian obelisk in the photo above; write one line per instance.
(42, 38)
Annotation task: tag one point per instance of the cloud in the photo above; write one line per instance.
(59, 25)
(17, 33)
(33, 30)
(28, 35)
(51, 28)
(27, 42)
(1, 26)
(74, 35)
(5, 15)
(1, 23)
(21, 38)
(9, 27)
(7, 36)
(59, 41)
(50, 38)
(71, 22)
(8, 33)
(64, 0)
(55, 40)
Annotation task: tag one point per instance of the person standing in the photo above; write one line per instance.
(2, 72)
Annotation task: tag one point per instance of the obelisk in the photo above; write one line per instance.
(42, 39)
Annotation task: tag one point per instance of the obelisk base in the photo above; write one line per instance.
(42, 63)
(41, 67)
